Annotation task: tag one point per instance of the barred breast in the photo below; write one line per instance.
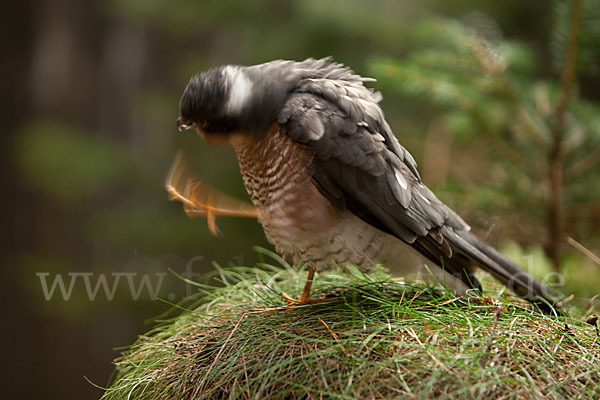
(300, 222)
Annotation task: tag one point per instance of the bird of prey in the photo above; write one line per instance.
(329, 181)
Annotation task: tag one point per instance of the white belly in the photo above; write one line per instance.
(349, 240)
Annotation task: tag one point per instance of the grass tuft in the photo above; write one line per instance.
(374, 338)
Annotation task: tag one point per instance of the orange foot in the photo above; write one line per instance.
(200, 199)
(305, 297)
(301, 300)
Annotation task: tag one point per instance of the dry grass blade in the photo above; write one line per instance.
(584, 250)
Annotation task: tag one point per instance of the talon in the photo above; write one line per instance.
(211, 218)
(289, 299)
(305, 297)
(301, 301)
(200, 199)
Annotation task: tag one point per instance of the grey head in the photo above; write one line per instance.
(234, 99)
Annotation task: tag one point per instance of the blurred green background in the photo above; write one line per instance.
(90, 98)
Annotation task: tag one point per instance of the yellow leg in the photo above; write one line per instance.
(305, 296)
(200, 199)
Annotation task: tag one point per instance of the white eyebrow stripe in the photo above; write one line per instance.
(240, 89)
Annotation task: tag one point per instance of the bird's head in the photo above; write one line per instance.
(230, 100)
(213, 101)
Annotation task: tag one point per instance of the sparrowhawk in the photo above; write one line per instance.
(330, 183)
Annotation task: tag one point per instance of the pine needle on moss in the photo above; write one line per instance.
(374, 338)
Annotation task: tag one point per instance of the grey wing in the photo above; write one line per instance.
(360, 166)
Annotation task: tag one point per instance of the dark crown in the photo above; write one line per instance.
(204, 98)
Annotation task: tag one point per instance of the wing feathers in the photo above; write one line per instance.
(399, 187)
(359, 165)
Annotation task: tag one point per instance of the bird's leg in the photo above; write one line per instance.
(200, 199)
(305, 296)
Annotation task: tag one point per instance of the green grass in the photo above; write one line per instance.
(374, 338)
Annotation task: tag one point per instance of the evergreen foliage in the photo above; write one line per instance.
(542, 136)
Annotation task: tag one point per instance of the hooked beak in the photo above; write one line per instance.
(182, 126)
